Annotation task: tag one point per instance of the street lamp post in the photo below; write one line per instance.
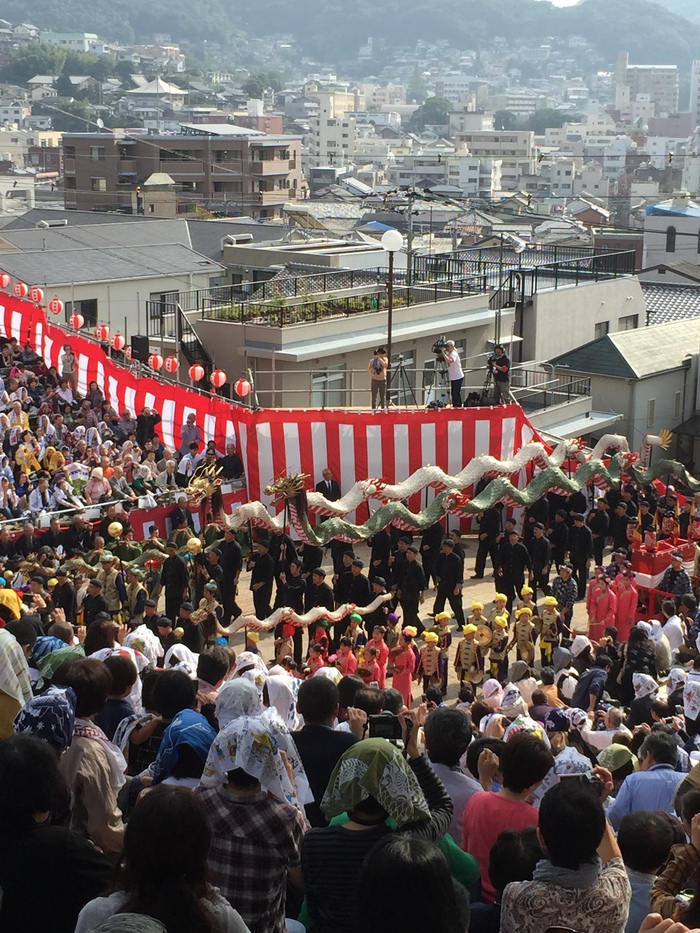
(392, 242)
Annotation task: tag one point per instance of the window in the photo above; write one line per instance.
(601, 329)
(97, 153)
(651, 412)
(670, 239)
(87, 307)
(99, 184)
(677, 406)
(628, 322)
(328, 387)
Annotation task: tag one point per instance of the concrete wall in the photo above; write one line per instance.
(561, 319)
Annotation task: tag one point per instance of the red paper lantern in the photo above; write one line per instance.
(128, 353)
(118, 341)
(76, 321)
(196, 372)
(20, 289)
(5, 280)
(155, 361)
(103, 333)
(171, 364)
(55, 306)
(218, 378)
(242, 387)
(36, 295)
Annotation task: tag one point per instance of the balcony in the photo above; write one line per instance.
(183, 169)
(273, 167)
(278, 196)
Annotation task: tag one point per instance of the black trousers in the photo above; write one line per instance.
(231, 608)
(540, 581)
(409, 607)
(447, 595)
(261, 601)
(456, 392)
(510, 587)
(487, 548)
(598, 548)
(580, 575)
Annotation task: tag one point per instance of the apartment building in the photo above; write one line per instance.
(695, 95)
(476, 178)
(660, 82)
(515, 149)
(223, 168)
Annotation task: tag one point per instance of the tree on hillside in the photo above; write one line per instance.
(259, 82)
(417, 90)
(540, 120)
(35, 58)
(68, 115)
(435, 111)
(505, 120)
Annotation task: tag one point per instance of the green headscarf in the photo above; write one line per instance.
(50, 663)
(616, 756)
(375, 768)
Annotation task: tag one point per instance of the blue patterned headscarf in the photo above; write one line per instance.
(187, 728)
(49, 716)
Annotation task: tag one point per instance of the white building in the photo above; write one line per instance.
(477, 178)
(671, 231)
(695, 94)
(591, 179)
(514, 148)
(331, 140)
(469, 121)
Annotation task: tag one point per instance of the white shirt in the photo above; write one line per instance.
(188, 464)
(601, 740)
(454, 366)
(37, 503)
(673, 630)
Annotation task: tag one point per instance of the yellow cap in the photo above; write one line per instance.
(477, 606)
(431, 637)
(502, 621)
(179, 632)
(442, 615)
(500, 596)
(526, 591)
(550, 601)
(52, 582)
(410, 630)
(523, 611)
(253, 636)
(469, 628)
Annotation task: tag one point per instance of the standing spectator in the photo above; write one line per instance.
(583, 882)
(377, 369)
(190, 433)
(145, 425)
(69, 366)
(329, 486)
(454, 371)
(500, 369)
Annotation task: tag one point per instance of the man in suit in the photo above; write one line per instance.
(328, 487)
(449, 587)
(319, 745)
(181, 513)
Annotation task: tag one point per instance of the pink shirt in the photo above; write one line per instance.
(485, 816)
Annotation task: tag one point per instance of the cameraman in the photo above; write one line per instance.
(500, 369)
(455, 371)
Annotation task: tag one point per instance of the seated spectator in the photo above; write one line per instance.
(371, 782)
(402, 863)
(654, 786)
(513, 857)
(164, 870)
(15, 686)
(646, 839)
(93, 767)
(71, 869)
(524, 763)
(188, 736)
(591, 684)
(117, 707)
(583, 884)
(319, 745)
(612, 720)
(245, 798)
(447, 733)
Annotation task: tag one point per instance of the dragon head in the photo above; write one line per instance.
(286, 486)
(204, 482)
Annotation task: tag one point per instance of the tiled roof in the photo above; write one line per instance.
(667, 303)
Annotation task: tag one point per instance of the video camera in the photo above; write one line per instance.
(439, 345)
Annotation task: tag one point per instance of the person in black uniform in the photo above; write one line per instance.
(291, 593)
(646, 517)
(559, 537)
(412, 588)
(175, 579)
(618, 526)
(489, 529)
(359, 588)
(318, 593)
(398, 562)
(581, 552)
(94, 603)
(282, 551)
(311, 558)
(449, 587)
(379, 565)
(341, 589)
(459, 548)
(599, 523)
(65, 596)
(194, 636)
(537, 512)
(231, 563)
(513, 560)
(338, 549)
(629, 497)
(430, 550)
(576, 503)
(540, 551)
(262, 569)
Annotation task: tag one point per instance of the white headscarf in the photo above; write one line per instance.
(643, 684)
(579, 644)
(182, 659)
(282, 696)
(236, 698)
(248, 743)
(676, 677)
(493, 693)
(143, 639)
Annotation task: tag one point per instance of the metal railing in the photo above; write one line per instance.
(532, 387)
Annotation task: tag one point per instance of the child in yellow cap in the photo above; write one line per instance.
(469, 661)
(477, 614)
(251, 642)
(500, 601)
(523, 635)
(442, 630)
(552, 628)
(429, 665)
(498, 653)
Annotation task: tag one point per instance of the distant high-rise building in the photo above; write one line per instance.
(660, 82)
(695, 95)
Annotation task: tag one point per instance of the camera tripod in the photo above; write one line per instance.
(404, 383)
(437, 389)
